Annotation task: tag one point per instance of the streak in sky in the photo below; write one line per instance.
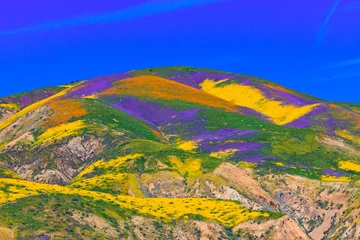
(139, 11)
(344, 63)
(323, 29)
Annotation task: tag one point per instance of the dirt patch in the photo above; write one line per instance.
(338, 144)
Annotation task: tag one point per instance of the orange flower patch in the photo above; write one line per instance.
(63, 111)
(157, 133)
(161, 88)
(279, 88)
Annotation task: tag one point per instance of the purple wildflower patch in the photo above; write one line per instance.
(96, 85)
(225, 134)
(153, 112)
(240, 146)
(334, 173)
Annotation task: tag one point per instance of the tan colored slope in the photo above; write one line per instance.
(21, 126)
(6, 113)
(348, 229)
(283, 228)
(251, 97)
(240, 180)
(318, 206)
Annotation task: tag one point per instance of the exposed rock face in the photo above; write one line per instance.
(144, 228)
(60, 163)
(164, 184)
(215, 187)
(70, 158)
(24, 125)
(5, 114)
(229, 193)
(240, 180)
(340, 145)
(315, 205)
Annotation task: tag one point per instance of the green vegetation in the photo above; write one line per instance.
(5, 173)
(291, 146)
(54, 213)
(103, 115)
(171, 71)
(352, 106)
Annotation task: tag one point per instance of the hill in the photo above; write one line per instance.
(178, 152)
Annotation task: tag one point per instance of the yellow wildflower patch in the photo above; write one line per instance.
(328, 178)
(91, 96)
(60, 132)
(191, 167)
(98, 181)
(348, 165)
(10, 106)
(243, 165)
(124, 183)
(31, 108)
(134, 186)
(229, 213)
(345, 134)
(187, 145)
(279, 164)
(223, 154)
(107, 164)
(251, 97)
(9, 173)
(112, 180)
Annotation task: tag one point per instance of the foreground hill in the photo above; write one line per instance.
(178, 153)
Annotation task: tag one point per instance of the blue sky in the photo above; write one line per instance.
(310, 46)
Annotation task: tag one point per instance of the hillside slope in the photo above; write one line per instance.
(180, 153)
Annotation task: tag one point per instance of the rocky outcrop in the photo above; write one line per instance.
(245, 184)
(58, 163)
(164, 184)
(24, 125)
(318, 207)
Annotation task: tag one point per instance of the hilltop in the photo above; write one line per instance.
(178, 152)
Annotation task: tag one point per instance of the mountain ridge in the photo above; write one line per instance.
(181, 133)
